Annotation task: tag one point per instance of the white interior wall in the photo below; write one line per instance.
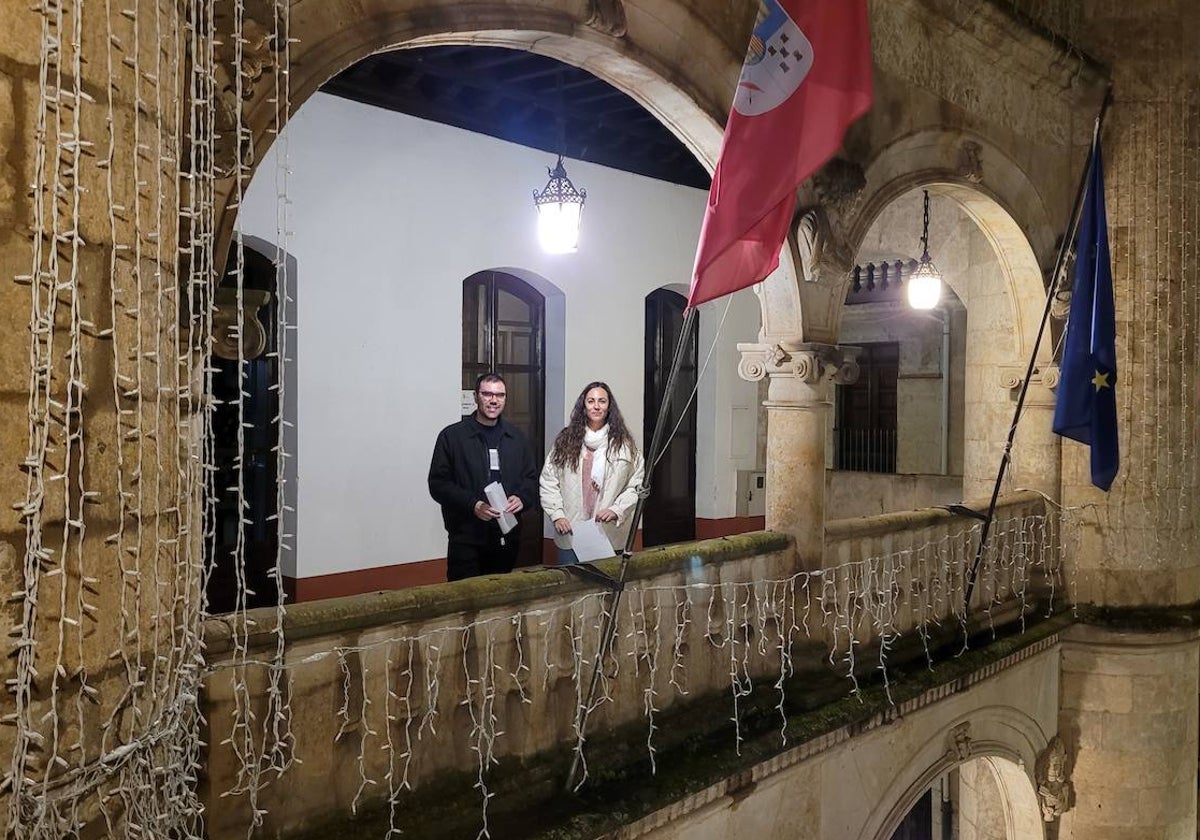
(388, 215)
(727, 432)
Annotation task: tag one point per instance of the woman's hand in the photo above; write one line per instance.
(606, 515)
(562, 525)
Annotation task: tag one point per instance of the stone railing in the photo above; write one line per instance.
(409, 689)
(908, 572)
(388, 701)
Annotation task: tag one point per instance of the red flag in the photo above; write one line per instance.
(807, 76)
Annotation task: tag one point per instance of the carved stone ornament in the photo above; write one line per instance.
(1060, 308)
(824, 257)
(225, 324)
(970, 161)
(607, 16)
(1011, 377)
(809, 362)
(958, 742)
(1054, 789)
(838, 181)
(259, 55)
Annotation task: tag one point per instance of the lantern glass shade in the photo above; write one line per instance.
(560, 209)
(925, 285)
(558, 226)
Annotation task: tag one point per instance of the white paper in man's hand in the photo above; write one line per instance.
(589, 542)
(494, 493)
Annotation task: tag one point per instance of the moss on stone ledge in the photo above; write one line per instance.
(374, 609)
(1143, 619)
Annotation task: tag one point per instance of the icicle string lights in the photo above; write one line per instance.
(399, 691)
(106, 726)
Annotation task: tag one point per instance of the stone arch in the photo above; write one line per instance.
(1009, 211)
(992, 190)
(671, 61)
(1005, 739)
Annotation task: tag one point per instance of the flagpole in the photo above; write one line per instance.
(1064, 250)
(617, 585)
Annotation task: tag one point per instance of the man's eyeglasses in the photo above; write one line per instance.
(493, 395)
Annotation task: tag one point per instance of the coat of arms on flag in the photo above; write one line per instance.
(807, 76)
(777, 60)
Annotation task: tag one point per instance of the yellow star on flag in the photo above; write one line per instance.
(1100, 380)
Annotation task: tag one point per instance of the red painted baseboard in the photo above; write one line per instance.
(709, 529)
(421, 573)
(358, 581)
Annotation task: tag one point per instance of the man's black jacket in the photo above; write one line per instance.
(459, 472)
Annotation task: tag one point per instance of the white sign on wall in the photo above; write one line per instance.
(468, 402)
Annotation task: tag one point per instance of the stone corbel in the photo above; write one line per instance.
(958, 742)
(809, 362)
(824, 257)
(607, 16)
(253, 339)
(1054, 789)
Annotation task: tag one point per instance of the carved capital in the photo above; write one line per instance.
(1051, 772)
(1010, 378)
(253, 339)
(810, 363)
(607, 16)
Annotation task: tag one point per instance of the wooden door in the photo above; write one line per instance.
(504, 331)
(670, 514)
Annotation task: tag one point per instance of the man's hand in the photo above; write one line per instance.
(606, 515)
(515, 505)
(486, 512)
(562, 525)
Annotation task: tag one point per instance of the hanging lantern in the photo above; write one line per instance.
(559, 208)
(925, 284)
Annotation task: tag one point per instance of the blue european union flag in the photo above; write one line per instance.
(1086, 409)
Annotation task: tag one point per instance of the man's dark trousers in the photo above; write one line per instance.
(465, 560)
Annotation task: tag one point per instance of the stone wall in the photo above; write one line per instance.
(850, 494)
(93, 400)
(1129, 720)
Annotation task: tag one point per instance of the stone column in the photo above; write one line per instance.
(1037, 451)
(1128, 717)
(798, 401)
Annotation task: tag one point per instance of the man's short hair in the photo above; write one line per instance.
(490, 376)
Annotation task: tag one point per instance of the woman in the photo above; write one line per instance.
(593, 471)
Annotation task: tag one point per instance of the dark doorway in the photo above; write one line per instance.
(670, 514)
(918, 822)
(504, 329)
(244, 453)
(866, 412)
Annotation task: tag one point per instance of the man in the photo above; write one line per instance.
(468, 456)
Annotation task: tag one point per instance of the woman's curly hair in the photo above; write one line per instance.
(568, 446)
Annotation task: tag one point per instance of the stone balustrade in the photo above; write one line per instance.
(479, 683)
(905, 572)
